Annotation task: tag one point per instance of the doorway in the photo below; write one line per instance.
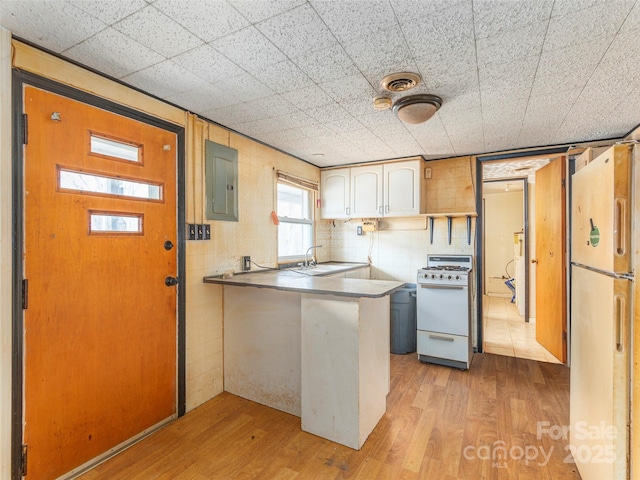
(98, 327)
(508, 312)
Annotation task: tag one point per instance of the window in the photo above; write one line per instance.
(105, 147)
(115, 223)
(295, 212)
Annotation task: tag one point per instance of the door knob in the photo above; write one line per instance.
(534, 260)
(168, 245)
(171, 281)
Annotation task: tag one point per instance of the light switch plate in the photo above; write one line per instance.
(427, 172)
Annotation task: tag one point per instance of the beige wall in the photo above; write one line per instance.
(503, 216)
(5, 253)
(254, 234)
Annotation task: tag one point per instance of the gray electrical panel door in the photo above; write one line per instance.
(221, 164)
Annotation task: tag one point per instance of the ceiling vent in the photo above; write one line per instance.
(417, 108)
(400, 82)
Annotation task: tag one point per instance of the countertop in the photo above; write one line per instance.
(302, 281)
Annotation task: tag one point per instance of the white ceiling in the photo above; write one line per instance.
(301, 75)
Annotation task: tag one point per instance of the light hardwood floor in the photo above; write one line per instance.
(441, 424)
(506, 332)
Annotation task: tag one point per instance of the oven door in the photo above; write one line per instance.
(443, 308)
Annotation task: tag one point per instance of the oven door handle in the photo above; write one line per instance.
(443, 287)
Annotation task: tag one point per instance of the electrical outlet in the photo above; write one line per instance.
(191, 231)
(246, 263)
(207, 231)
(359, 230)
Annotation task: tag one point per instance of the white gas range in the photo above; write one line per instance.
(443, 308)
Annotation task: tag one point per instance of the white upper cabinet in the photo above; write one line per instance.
(366, 191)
(402, 188)
(334, 193)
(372, 191)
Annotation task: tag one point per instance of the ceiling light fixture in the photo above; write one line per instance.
(417, 108)
(382, 103)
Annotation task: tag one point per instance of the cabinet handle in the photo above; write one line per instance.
(380, 209)
(438, 337)
(347, 211)
(386, 209)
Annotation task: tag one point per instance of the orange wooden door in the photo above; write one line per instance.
(100, 327)
(551, 325)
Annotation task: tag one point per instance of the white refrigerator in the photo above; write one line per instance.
(601, 308)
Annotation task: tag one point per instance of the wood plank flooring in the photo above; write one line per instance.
(441, 424)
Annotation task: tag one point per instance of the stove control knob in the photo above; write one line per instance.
(440, 276)
(457, 277)
(449, 277)
(433, 275)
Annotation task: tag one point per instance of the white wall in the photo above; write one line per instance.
(503, 216)
(5, 253)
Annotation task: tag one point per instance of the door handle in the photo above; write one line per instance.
(620, 315)
(168, 245)
(171, 281)
(534, 260)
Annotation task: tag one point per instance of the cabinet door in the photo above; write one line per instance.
(402, 189)
(366, 191)
(334, 193)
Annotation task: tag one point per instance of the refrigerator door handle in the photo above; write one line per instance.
(620, 313)
(619, 225)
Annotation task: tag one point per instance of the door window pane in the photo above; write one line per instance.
(121, 223)
(115, 149)
(100, 184)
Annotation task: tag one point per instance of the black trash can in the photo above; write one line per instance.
(403, 320)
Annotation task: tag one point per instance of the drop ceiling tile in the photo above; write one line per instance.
(308, 97)
(164, 79)
(377, 119)
(207, 63)
(109, 11)
(297, 31)
(493, 17)
(348, 88)
(244, 86)
(348, 124)
(326, 64)
(359, 106)
(331, 112)
(442, 30)
(508, 80)
(350, 19)
(258, 10)
(272, 106)
(113, 53)
(385, 51)
(208, 19)
(569, 68)
(437, 68)
(48, 23)
(495, 112)
(158, 32)
(232, 115)
(602, 20)
(632, 22)
(249, 49)
(510, 46)
(284, 77)
(568, 7)
(316, 130)
(395, 127)
(203, 98)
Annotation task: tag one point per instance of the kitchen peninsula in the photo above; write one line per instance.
(311, 345)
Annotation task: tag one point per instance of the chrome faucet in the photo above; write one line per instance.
(306, 261)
